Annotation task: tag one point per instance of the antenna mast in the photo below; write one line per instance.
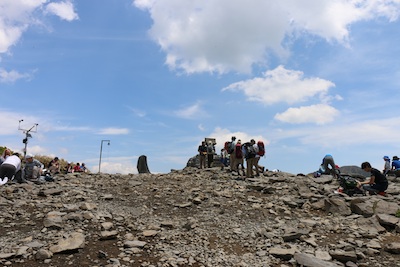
(27, 132)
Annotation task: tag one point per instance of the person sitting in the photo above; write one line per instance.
(69, 168)
(6, 153)
(54, 166)
(83, 168)
(377, 182)
(395, 163)
(32, 169)
(77, 167)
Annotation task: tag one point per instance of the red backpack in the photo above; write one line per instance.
(238, 151)
(261, 148)
(227, 147)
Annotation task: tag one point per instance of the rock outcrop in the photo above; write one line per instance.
(196, 218)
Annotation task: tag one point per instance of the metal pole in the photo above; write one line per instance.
(101, 150)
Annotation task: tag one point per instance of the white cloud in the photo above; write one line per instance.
(368, 132)
(318, 114)
(225, 35)
(281, 85)
(348, 132)
(114, 167)
(194, 111)
(17, 15)
(12, 76)
(64, 10)
(114, 131)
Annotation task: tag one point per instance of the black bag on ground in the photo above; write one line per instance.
(349, 185)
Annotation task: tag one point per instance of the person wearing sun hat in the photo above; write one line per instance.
(386, 167)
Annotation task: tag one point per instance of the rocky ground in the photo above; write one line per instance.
(196, 218)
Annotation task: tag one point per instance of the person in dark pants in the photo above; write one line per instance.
(377, 183)
(10, 168)
(202, 154)
(328, 164)
(210, 153)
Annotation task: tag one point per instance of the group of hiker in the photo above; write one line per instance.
(12, 168)
(377, 183)
(235, 153)
(391, 168)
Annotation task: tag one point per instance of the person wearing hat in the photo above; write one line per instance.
(395, 163)
(33, 168)
(386, 167)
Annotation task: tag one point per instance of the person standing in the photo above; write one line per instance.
(231, 152)
(210, 153)
(202, 154)
(256, 158)
(386, 167)
(11, 167)
(250, 155)
(239, 157)
(223, 158)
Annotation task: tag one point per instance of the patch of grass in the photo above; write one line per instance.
(397, 213)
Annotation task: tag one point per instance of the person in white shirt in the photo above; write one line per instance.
(10, 167)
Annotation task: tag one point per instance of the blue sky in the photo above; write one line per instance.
(308, 77)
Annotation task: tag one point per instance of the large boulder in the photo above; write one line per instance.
(142, 165)
(354, 171)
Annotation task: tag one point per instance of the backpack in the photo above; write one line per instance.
(348, 182)
(349, 185)
(261, 148)
(250, 152)
(238, 151)
(228, 147)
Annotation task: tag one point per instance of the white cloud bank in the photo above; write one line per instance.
(232, 35)
(319, 114)
(281, 85)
